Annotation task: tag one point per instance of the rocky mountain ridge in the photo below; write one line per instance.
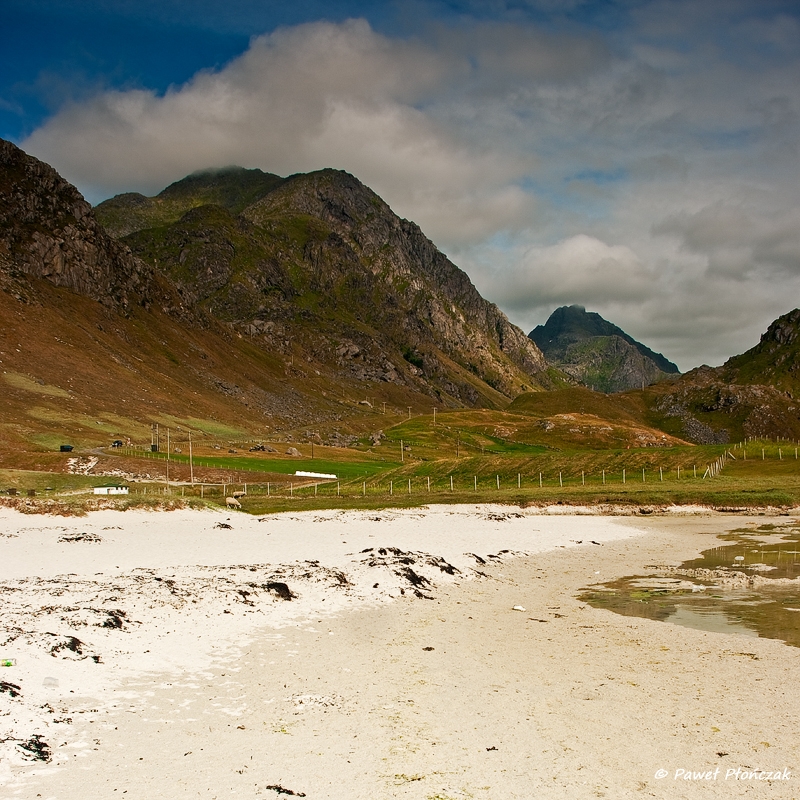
(597, 353)
(319, 262)
(754, 394)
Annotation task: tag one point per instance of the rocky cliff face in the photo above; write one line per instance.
(47, 230)
(319, 264)
(597, 353)
(436, 300)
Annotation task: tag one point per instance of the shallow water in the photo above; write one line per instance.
(693, 598)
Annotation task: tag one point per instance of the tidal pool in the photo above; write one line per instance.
(750, 587)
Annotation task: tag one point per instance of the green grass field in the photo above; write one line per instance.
(764, 474)
(344, 469)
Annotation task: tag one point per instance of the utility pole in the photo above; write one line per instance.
(458, 442)
(167, 458)
(384, 408)
(409, 412)
(191, 465)
(434, 416)
(402, 455)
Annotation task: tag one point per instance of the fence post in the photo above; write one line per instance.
(560, 482)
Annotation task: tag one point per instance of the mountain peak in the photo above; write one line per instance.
(598, 353)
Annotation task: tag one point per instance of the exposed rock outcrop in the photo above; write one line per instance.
(48, 230)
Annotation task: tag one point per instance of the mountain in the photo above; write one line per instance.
(775, 360)
(238, 302)
(754, 394)
(597, 353)
(233, 188)
(319, 264)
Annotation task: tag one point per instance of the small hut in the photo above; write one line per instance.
(111, 488)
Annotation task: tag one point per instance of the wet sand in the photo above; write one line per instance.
(396, 696)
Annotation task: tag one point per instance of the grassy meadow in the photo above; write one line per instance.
(519, 457)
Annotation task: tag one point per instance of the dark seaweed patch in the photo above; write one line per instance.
(71, 643)
(282, 790)
(116, 619)
(413, 578)
(281, 590)
(80, 537)
(10, 688)
(36, 749)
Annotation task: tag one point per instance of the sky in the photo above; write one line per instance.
(636, 157)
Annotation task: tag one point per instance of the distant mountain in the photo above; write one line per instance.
(239, 297)
(597, 353)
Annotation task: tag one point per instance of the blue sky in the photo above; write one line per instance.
(639, 157)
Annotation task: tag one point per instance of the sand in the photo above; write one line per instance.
(405, 673)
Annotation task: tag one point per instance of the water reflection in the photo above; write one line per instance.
(742, 587)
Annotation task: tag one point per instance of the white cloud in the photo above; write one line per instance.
(314, 96)
(578, 267)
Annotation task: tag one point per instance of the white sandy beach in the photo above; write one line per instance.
(156, 655)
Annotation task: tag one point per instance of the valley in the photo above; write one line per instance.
(297, 324)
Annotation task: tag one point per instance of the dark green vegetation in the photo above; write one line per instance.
(597, 353)
(240, 309)
(233, 188)
(719, 590)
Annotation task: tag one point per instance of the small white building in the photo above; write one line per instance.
(111, 489)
